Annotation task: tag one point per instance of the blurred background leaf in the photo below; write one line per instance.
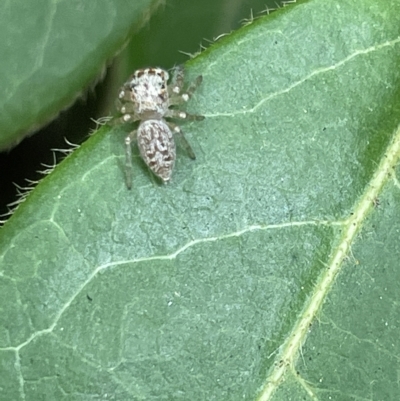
(50, 53)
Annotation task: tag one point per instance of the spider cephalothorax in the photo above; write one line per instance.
(148, 91)
(147, 97)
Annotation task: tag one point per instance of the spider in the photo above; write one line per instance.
(147, 97)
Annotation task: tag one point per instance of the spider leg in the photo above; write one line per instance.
(125, 108)
(182, 115)
(177, 131)
(128, 157)
(126, 118)
(128, 113)
(176, 97)
(193, 86)
(124, 94)
(177, 81)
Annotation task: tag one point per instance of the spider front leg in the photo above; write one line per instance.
(125, 93)
(182, 115)
(192, 87)
(177, 81)
(177, 85)
(125, 107)
(126, 118)
(177, 131)
(128, 157)
(128, 113)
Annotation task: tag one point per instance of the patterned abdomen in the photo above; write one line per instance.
(157, 147)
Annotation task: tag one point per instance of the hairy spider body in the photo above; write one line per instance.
(147, 97)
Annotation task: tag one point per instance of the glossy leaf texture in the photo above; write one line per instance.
(51, 51)
(266, 270)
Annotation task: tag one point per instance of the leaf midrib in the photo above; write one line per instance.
(290, 350)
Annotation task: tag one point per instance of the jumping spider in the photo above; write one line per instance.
(147, 97)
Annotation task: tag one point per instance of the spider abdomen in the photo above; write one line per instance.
(157, 147)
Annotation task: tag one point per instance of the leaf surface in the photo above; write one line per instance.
(266, 270)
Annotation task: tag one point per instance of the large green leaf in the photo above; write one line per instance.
(51, 51)
(267, 269)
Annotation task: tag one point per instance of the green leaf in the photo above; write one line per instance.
(51, 50)
(266, 270)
